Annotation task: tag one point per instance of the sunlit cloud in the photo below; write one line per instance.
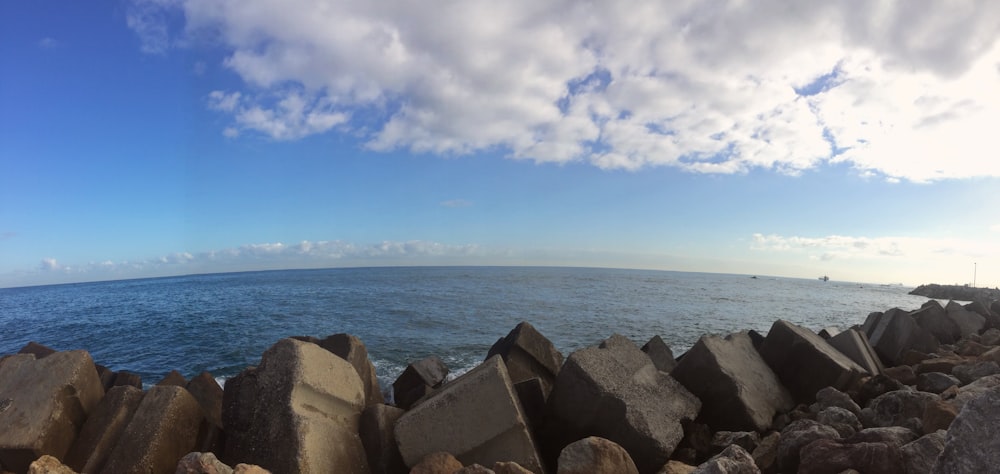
(706, 88)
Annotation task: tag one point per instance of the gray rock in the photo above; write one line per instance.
(897, 332)
(900, 408)
(351, 349)
(207, 391)
(418, 380)
(201, 463)
(854, 344)
(454, 420)
(595, 455)
(528, 354)
(661, 355)
(737, 389)
(969, 373)
(747, 440)
(831, 397)
(102, 429)
(163, 429)
(797, 435)
(991, 336)
(974, 390)
(44, 404)
(893, 435)
(936, 382)
(934, 319)
(298, 411)
(376, 429)
(614, 391)
(876, 386)
(805, 363)
(920, 455)
(969, 445)
(968, 322)
(765, 455)
(842, 420)
(732, 460)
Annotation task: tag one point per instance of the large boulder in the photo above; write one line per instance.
(805, 363)
(967, 321)
(854, 344)
(594, 455)
(932, 317)
(296, 412)
(797, 435)
(968, 373)
(737, 389)
(919, 456)
(972, 443)
(418, 380)
(661, 355)
(826, 456)
(43, 404)
(209, 394)
(163, 429)
(454, 420)
(897, 332)
(103, 428)
(379, 438)
(614, 391)
(898, 408)
(351, 349)
(528, 354)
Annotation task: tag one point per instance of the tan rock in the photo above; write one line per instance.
(475, 469)
(49, 465)
(595, 455)
(103, 428)
(249, 469)
(938, 415)
(508, 467)
(351, 349)
(676, 467)
(437, 463)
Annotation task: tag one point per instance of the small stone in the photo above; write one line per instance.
(919, 456)
(48, 465)
(936, 382)
(595, 455)
(733, 460)
(676, 467)
(437, 463)
(831, 397)
(938, 415)
(796, 436)
(969, 373)
(201, 463)
(902, 373)
(840, 419)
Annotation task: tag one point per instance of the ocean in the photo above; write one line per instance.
(222, 323)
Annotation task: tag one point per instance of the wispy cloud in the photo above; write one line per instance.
(48, 43)
(623, 85)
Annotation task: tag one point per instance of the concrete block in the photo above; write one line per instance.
(854, 344)
(528, 354)
(103, 428)
(805, 363)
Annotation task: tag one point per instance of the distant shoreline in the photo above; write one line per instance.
(957, 292)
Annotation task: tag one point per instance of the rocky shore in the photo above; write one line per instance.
(957, 292)
(905, 392)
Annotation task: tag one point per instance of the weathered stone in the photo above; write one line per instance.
(845, 422)
(831, 397)
(747, 440)
(528, 354)
(106, 375)
(379, 439)
(475, 469)
(896, 333)
(967, 321)
(595, 455)
(173, 378)
(163, 429)
(732, 460)
(826, 456)
(974, 390)
(453, 420)
(737, 389)
(532, 396)
(969, 445)
(49, 465)
(854, 344)
(126, 378)
(44, 404)
(351, 349)
(991, 336)
(661, 355)
(208, 393)
(979, 308)
(919, 456)
(765, 456)
(969, 373)
(871, 321)
(249, 469)
(970, 348)
(614, 391)
(40, 351)
(912, 357)
(939, 364)
(902, 373)
(828, 332)
(876, 386)
(797, 435)
(805, 363)
(201, 463)
(509, 467)
(938, 415)
(418, 380)
(899, 408)
(932, 317)
(296, 412)
(893, 435)
(103, 428)
(992, 355)
(676, 467)
(935, 382)
(437, 463)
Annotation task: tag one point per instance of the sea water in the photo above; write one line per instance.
(222, 323)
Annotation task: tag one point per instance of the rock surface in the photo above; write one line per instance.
(805, 363)
(796, 436)
(661, 355)
(379, 438)
(594, 455)
(528, 354)
(732, 460)
(297, 412)
(828, 456)
(351, 349)
(103, 428)
(418, 380)
(968, 447)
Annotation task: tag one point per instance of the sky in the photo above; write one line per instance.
(854, 139)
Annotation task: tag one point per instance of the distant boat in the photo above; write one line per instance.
(754, 277)
(824, 278)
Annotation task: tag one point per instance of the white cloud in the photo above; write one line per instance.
(902, 91)
(50, 264)
(839, 247)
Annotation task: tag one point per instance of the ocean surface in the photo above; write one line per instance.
(222, 323)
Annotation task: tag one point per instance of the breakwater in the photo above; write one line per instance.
(902, 391)
(957, 292)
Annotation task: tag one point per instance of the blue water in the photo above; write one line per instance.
(222, 323)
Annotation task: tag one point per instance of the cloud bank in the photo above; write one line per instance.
(840, 247)
(893, 89)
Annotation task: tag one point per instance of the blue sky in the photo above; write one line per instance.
(162, 137)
